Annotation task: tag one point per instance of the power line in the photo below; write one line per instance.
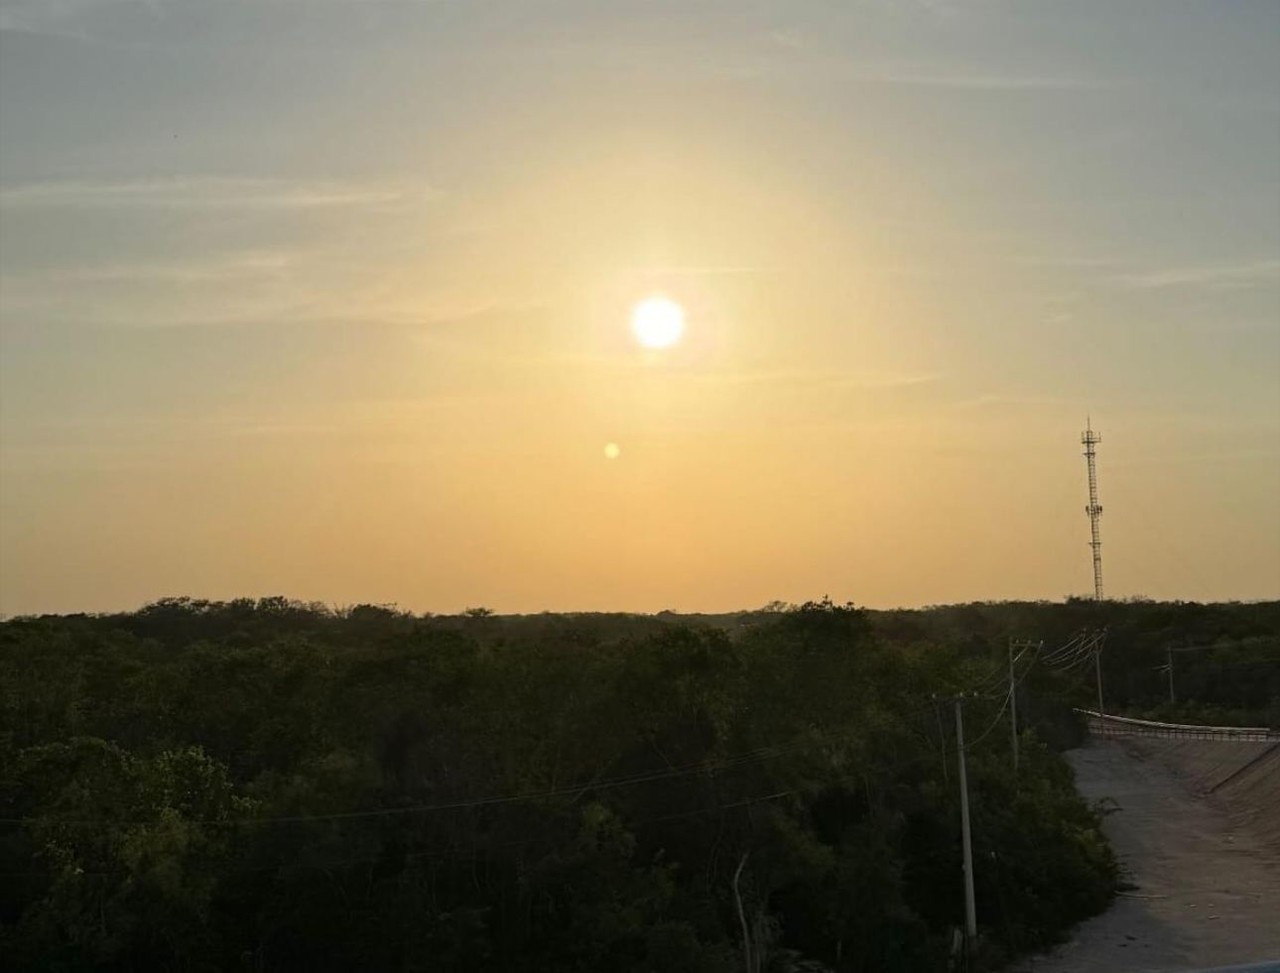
(441, 853)
(576, 789)
(1236, 644)
(1065, 650)
(762, 753)
(992, 725)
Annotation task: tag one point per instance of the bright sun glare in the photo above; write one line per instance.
(657, 322)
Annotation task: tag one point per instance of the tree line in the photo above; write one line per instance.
(266, 784)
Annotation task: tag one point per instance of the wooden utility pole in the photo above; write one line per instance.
(970, 909)
(1013, 709)
(1169, 654)
(748, 959)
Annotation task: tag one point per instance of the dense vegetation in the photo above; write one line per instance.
(268, 785)
(1226, 656)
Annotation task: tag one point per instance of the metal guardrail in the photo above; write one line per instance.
(1105, 725)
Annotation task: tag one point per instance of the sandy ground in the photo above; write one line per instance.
(1208, 881)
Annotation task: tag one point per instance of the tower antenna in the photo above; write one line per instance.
(1090, 439)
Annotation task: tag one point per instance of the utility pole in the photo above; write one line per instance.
(970, 910)
(1169, 654)
(1013, 709)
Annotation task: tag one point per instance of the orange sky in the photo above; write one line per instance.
(334, 303)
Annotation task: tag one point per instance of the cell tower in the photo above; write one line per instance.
(1090, 439)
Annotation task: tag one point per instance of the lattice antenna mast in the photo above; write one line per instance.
(1090, 439)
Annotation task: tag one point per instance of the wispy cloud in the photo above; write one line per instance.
(700, 270)
(977, 80)
(61, 18)
(66, 18)
(809, 378)
(1012, 401)
(253, 285)
(208, 191)
(1062, 261)
(789, 38)
(221, 269)
(1246, 274)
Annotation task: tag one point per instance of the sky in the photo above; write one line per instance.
(330, 299)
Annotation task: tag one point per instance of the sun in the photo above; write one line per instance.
(657, 322)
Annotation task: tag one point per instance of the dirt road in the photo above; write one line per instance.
(1208, 880)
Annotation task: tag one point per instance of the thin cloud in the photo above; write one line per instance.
(17, 22)
(1007, 401)
(789, 38)
(811, 379)
(1256, 273)
(239, 266)
(207, 191)
(701, 270)
(1067, 262)
(981, 82)
(59, 18)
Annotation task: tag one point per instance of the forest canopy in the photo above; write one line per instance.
(267, 784)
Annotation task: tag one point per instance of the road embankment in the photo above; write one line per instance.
(1196, 826)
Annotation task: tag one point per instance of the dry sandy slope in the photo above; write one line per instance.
(1206, 861)
(1242, 779)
